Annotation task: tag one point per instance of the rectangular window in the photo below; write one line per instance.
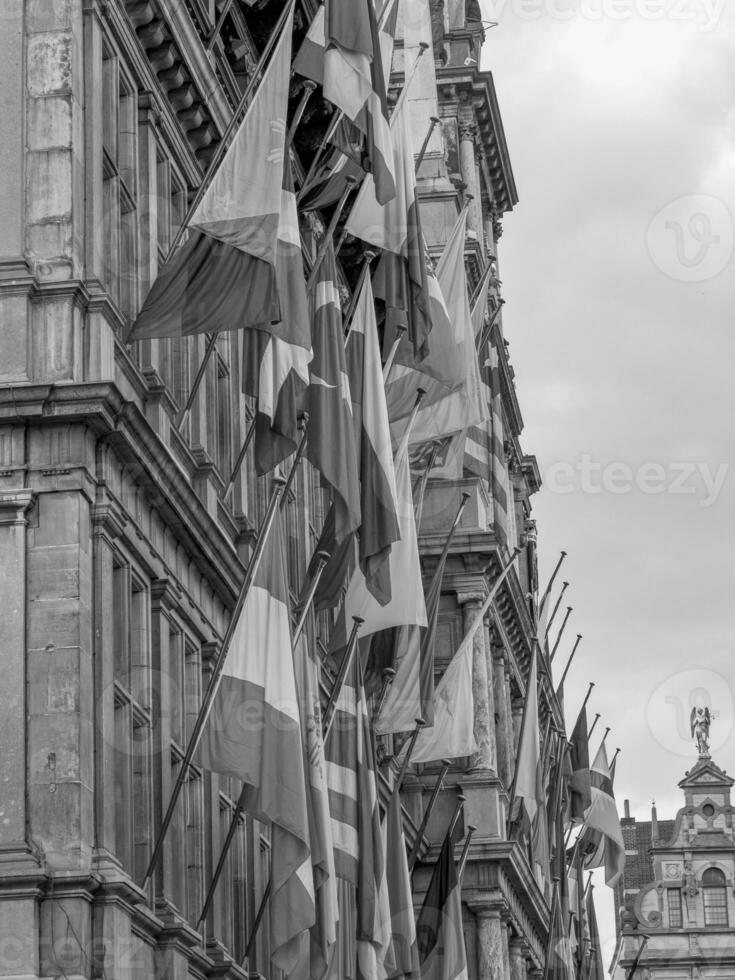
(133, 720)
(715, 905)
(675, 910)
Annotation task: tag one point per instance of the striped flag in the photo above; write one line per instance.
(253, 734)
(439, 926)
(559, 956)
(343, 52)
(527, 789)
(331, 443)
(243, 245)
(358, 843)
(411, 695)
(580, 794)
(602, 819)
(403, 922)
(401, 279)
(455, 397)
(324, 931)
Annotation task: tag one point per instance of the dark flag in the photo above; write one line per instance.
(439, 925)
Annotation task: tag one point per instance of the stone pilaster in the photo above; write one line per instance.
(467, 128)
(517, 960)
(490, 962)
(504, 727)
(483, 758)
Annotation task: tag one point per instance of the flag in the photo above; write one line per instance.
(358, 843)
(580, 796)
(455, 396)
(559, 957)
(401, 279)
(602, 818)
(328, 183)
(331, 442)
(253, 734)
(528, 754)
(324, 930)
(403, 923)
(411, 695)
(406, 605)
(595, 969)
(439, 926)
(343, 52)
(243, 245)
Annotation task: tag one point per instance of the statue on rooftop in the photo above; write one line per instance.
(700, 721)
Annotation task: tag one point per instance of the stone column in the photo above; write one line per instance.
(489, 945)
(517, 960)
(504, 949)
(504, 744)
(483, 758)
(467, 128)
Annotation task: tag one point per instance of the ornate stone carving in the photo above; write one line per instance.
(700, 721)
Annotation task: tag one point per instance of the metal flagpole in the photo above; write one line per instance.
(309, 89)
(350, 182)
(194, 391)
(586, 697)
(561, 631)
(477, 291)
(597, 718)
(457, 813)
(330, 710)
(322, 557)
(258, 920)
(612, 761)
(407, 756)
(524, 718)
(550, 949)
(571, 658)
(424, 146)
(388, 676)
(208, 700)
(240, 806)
(218, 26)
(427, 814)
(297, 458)
(465, 851)
(564, 587)
(631, 972)
(549, 587)
(400, 331)
(487, 331)
(240, 459)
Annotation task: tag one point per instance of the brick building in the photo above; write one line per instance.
(122, 546)
(677, 888)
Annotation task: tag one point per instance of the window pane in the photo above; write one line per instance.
(715, 906)
(675, 916)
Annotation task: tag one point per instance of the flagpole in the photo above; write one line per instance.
(612, 761)
(240, 805)
(194, 390)
(424, 146)
(586, 698)
(350, 183)
(465, 851)
(561, 631)
(258, 920)
(552, 919)
(322, 557)
(420, 392)
(330, 710)
(400, 331)
(597, 718)
(524, 718)
(240, 459)
(208, 700)
(604, 738)
(304, 420)
(571, 658)
(477, 291)
(631, 972)
(549, 587)
(331, 130)
(457, 813)
(564, 587)
(407, 755)
(427, 814)
(487, 331)
(422, 482)
(367, 257)
(309, 89)
(388, 676)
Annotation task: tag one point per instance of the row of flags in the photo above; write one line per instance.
(340, 897)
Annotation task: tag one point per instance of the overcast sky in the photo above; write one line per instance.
(619, 280)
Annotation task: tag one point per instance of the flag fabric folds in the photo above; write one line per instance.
(331, 441)
(602, 818)
(439, 926)
(343, 52)
(253, 734)
(580, 795)
(526, 783)
(401, 279)
(243, 244)
(403, 922)
(594, 966)
(559, 956)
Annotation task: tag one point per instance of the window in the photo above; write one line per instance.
(187, 828)
(232, 889)
(119, 180)
(134, 706)
(715, 897)
(673, 896)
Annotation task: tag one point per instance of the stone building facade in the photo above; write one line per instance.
(678, 884)
(121, 551)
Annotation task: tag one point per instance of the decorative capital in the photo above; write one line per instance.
(470, 598)
(14, 505)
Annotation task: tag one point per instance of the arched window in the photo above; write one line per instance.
(714, 890)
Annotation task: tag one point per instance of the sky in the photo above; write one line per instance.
(619, 280)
